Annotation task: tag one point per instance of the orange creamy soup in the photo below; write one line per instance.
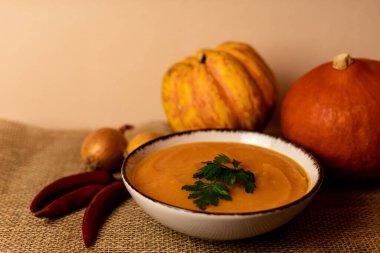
(279, 179)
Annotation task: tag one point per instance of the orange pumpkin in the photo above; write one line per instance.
(334, 111)
(230, 87)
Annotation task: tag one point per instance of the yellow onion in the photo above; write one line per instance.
(104, 148)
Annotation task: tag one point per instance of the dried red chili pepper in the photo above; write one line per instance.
(103, 202)
(69, 202)
(67, 184)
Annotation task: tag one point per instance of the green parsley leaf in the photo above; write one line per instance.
(207, 193)
(221, 158)
(220, 177)
(247, 179)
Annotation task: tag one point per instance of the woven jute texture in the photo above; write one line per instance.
(339, 219)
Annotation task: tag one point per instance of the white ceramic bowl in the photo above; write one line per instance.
(223, 226)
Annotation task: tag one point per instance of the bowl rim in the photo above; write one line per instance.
(312, 191)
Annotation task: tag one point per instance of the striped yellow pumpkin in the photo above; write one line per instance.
(229, 87)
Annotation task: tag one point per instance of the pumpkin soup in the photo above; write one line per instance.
(279, 180)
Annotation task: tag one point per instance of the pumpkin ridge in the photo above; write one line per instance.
(256, 67)
(168, 95)
(209, 99)
(223, 68)
(224, 97)
(223, 93)
(259, 72)
(194, 116)
(177, 105)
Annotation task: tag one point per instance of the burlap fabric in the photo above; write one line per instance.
(340, 219)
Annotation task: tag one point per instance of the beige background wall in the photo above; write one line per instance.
(92, 63)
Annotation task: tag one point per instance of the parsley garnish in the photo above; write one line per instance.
(207, 193)
(220, 176)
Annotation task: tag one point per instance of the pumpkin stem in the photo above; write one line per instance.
(342, 61)
(202, 58)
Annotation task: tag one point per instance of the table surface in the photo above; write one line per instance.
(341, 218)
